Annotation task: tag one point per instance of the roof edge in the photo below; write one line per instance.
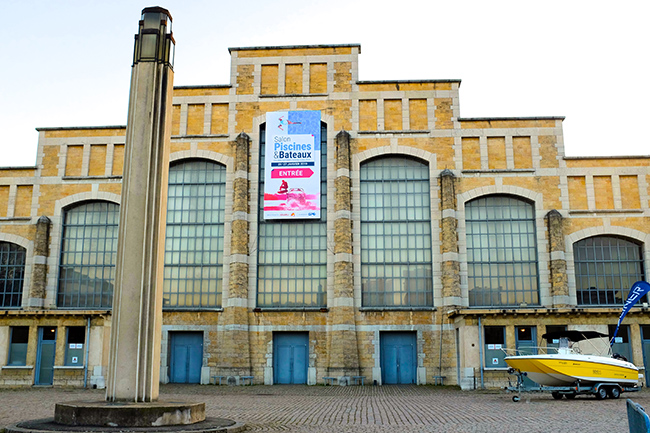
(289, 47)
(68, 128)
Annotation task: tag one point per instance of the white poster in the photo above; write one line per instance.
(292, 165)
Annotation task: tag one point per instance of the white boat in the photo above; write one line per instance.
(568, 366)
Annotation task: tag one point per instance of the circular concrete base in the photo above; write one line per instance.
(209, 425)
(128, 414)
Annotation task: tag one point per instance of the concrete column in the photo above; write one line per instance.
(343, 351)
(36, 296)
(559, 280)
(233, 341)
(134, 360)
(451, 294)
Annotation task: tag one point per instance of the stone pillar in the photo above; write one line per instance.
(134, 360)
(343, 351)
(37, 291)
(559, 280)
(233, 342)
(451, 294)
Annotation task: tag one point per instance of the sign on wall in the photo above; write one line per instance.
(292, 165)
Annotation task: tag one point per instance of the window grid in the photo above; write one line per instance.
(606, 267)
(88, 253)
(195, 231)
(501, 252)
(396, 269)
(292, 255)
(12, 275)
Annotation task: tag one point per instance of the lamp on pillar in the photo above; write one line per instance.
(155, 40)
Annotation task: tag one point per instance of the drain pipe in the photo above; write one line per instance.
(480, 349)
(440, 353)
(86, 355)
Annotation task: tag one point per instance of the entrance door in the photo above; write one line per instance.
(398, 357)
(45, 355)
(186, 357)
(621, 344)
(526, 341)
(645, 344)
(290, 355)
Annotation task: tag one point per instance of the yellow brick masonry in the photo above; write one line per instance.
(343, 340)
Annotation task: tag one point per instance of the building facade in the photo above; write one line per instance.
(442, 240)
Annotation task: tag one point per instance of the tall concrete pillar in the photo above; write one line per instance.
(343, 351)
(134, 360)
(37, 291)
(559, 279)
(233, 345)
(451, 294)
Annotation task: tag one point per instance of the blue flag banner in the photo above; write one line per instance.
(638, 290)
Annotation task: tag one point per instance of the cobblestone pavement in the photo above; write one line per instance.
(362, 409)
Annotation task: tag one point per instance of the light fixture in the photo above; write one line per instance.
(155, 40)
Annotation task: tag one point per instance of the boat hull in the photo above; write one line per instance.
(563, 370)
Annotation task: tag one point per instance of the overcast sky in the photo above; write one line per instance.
(68, 63)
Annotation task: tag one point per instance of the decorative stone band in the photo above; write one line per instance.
(343, 172)
(450, 257)
(557, 255)
(237, 302)
(343, 257)
(449, 213)
(240, 216)
(40, 260)
(452, 300)
(342, 301)
(239, 258)
(343, 214)
(241, 174)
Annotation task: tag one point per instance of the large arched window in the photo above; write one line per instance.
(12, 275)
(195, 230)
(396, 266)
(605, 269)
(292, 255)
(88, 252)
(501, 252)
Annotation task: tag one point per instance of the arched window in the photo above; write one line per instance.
(12, 275)
(195, 230)
(292, 255)
(501, 252)
(88, 253)
(396, 265)
(605, 269)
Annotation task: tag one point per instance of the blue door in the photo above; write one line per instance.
(186, 357)
(45, 355)
(398, 357)
(526, 341)
(290, 355)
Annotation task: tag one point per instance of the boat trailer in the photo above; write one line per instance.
(600, 390)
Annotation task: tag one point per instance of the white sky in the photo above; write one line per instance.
(67, 63)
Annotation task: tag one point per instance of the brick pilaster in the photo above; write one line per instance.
(37, 291)
(451, 294)
(557, 264)
(343, 351)
(233, 342)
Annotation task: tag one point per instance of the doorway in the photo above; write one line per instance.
(398, 357)
(45, 353)
(186, 357)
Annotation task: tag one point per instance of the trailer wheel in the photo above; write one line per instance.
(614, 392)
(570, 396)
(601, 393)
(515, 398)
(556, 395)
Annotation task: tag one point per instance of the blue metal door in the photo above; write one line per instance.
(526, 341)
(398, 357)
(645, 347)
(45, 353)
(186, 357)
(290, 355)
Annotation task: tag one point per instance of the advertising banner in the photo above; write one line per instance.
(292, 165)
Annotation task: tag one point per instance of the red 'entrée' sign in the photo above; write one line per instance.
(291, 173)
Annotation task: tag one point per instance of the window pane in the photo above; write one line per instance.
(194, 239)
(396, 268)
(606, 267)
(12, 275)
(88, 249)
(501, 252)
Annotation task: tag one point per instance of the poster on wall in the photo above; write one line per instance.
(292, 165)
